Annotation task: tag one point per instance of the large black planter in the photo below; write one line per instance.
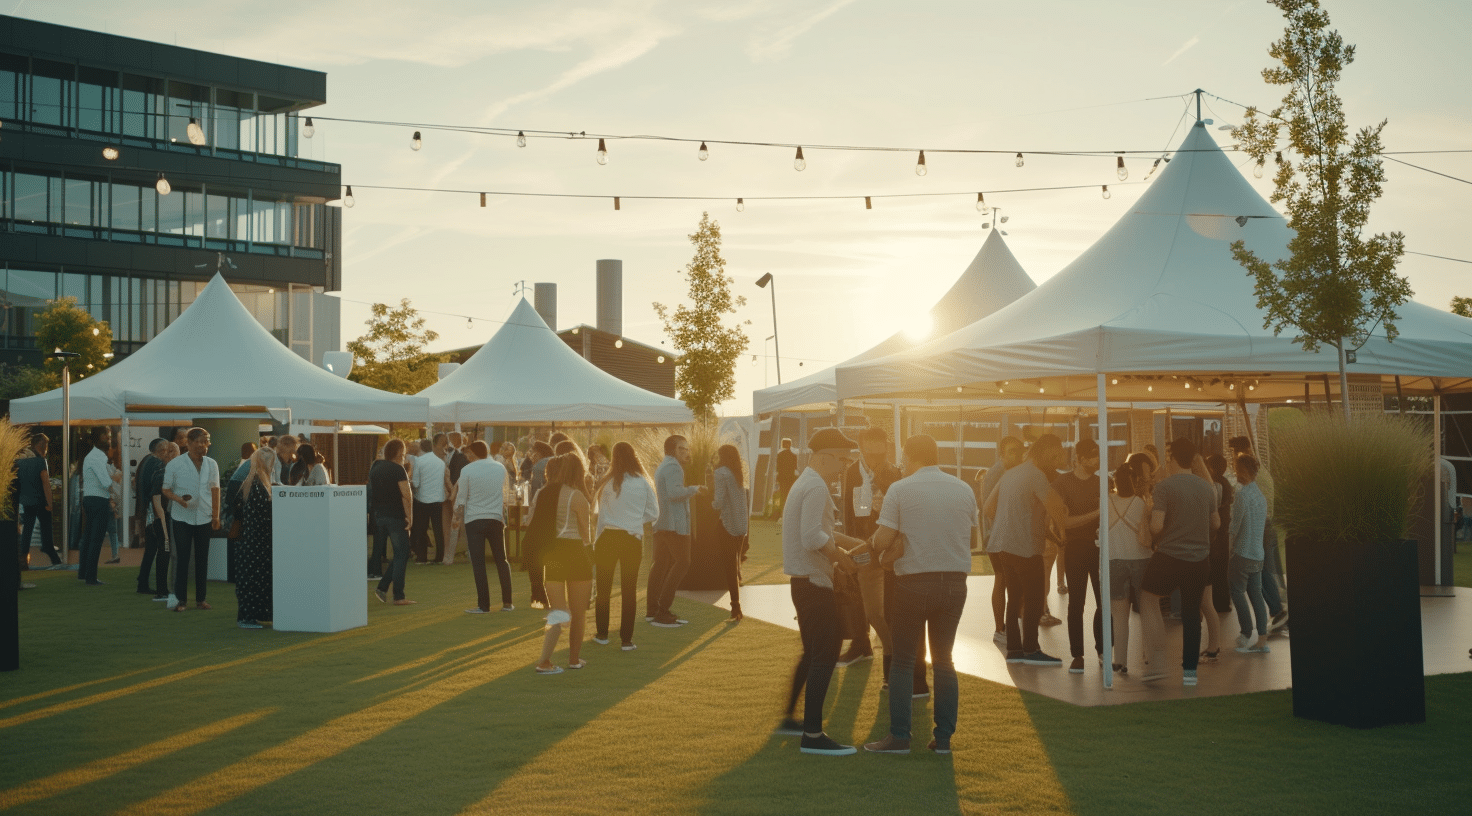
(707, 565)
(1356, 633)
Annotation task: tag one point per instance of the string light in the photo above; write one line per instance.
(196, 133)
(1019, 159)
(740, 205)
(981, 206)
(602, 152)
(417, 142)
(1257, 169)
(619, 343)
(659, 359)
(799, 163)
(1120, 170)
(1106, 190)
(520, 139)
(482, 199)
(1114, 381)
(703, 153)
(868, 204)
(309, 130)
(469, 323)
(348, 200)
(110, 153)
(920, 165)
(616, 203)
(162, 185)
(1149, 388)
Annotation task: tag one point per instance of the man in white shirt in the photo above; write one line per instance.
(479, 508)
(192, 484)
(431, 484)
(96, 505)
(935, 512)
(810, 548)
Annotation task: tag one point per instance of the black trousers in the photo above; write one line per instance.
(817, 623)
(1026, 587)
(621, 550)
(426, 515)
(30, 515)
(191, 539)
(1081, 566)
(478, 534)
(155, 556)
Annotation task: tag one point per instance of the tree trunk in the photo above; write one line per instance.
(1343, 380)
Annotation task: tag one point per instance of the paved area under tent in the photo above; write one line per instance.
(1446, 634)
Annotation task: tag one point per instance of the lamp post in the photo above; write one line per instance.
(776, 344)
(66, 448)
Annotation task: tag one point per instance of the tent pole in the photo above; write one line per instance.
(898, 448)
(1104, 600)
(1436, 508)
(1247, 420)
(123, 522)
(66, 463)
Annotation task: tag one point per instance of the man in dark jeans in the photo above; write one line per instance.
(936, 513)
(34, 498)
(1073, 506)
(671, 532)
(393, 515)
(1016, 508)
(810, 548)
(192, 484)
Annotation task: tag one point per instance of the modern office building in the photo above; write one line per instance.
(131, 171)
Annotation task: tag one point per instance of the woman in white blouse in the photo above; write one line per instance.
(626, 502)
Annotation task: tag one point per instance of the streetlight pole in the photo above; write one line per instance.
(766, 369)
(776, 344)
(66, 448)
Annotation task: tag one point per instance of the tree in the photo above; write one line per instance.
(1462, 306)
(391, 355)
(65, 325)
(1336, 285)
(17, 381)
(709, 350)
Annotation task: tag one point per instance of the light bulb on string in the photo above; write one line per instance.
(740, 205)
(1106, 190)
(703, 153)
(868, 204)
(616, 204)
(417, 142)
(348, 200)
(196, 133)
(162, 185)
(1120, 171)
(309, 130)
(1019, 159)
(1257, 170)
(110, 153)
(799, 163)
(602, 152)
(482, 199)
(619, 343)
(920, 165)
(520, 138)
(659, 359)
(981, 206)
(469, 323)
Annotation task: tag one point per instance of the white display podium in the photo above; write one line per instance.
(219, 559)
(318, 569)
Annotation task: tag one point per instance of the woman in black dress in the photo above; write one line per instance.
(253, 553)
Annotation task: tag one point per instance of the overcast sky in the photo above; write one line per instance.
(1026, 76)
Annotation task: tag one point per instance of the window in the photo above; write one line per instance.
(31, 196)
(14, 71)
(85, 205)
(233, 116)
(26, 291)
(219, 217)
(143, 107)
(187, 101)
(52, 88)
(127, 200)
(97, 100)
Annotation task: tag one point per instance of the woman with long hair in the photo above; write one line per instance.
(729, 499)
(539, 530)
(626, 502)
(1129, 554)
(569, 572)
(306, 470)
(253, 553)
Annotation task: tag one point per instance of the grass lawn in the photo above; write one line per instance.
(123, 707)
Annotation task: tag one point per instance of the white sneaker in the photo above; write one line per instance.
(628, 647)
(601, 641)
(172, 603)
(1244, 641)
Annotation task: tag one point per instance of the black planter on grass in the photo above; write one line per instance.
(1356, 632)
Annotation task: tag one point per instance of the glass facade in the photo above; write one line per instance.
(90, 205)
(68, 99)
(137, 308)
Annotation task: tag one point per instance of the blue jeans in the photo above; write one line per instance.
(1246, 581)
(933, 600)
(394, 530)
(817, 624)
(96, 511)
(1271, 570)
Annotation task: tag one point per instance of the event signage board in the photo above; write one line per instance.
(318, 570)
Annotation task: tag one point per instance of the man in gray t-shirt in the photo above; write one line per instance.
(1018, 509)
(1184, 515)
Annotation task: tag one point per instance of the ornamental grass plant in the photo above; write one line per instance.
(1342, 481)
(13, 439)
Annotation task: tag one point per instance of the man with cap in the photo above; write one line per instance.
(810, 548)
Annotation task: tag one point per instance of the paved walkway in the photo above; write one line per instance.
(1446, 623)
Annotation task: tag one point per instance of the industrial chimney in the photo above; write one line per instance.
(545, 302)
(611, 296)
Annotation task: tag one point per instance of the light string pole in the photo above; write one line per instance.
(66, 358)
(763, 282)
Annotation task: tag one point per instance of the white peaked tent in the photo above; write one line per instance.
(1160, 296)
(215, 355)
(993, 280)
(1159, 309)
(525, 373)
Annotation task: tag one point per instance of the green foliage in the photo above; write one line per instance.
(1336, 482)
(391, 355)
(65, 325)
(1336, 284)
(709, 349)
(1462, 306)
(17, 381)
(13, 439)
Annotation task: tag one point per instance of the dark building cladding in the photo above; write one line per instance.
(92, 122)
